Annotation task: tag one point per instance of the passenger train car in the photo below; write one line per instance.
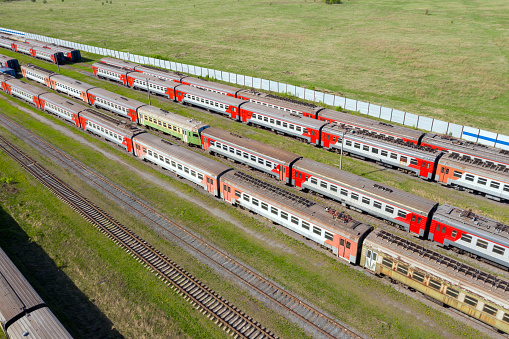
(377, 251)
(67, 53)
(22, 311)
(50, 55)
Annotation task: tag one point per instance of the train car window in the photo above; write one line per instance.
(329, 236)
(438, 228)
(268, 164)
(291, 126)
(186, 170)
(413, 218)
(468, 177)
(274, 210)
(402, 269)
(402, 214)
(447, 171)
(238, 152)
(266, 119)
(278, 122)
(435, 284)
(212, 183)
(470, 301)
(365, 200)
(225, 147)
(245, 155)
(506, 318)
(232, 150)
(342, 242)
(384, 153)
(173, 163)
(394, 156)
(374, 150)
(465, 237)
(305, 225)
(314, 181)
(298, 128)
(264, 205)
(295, 220)
(387, 262)
(357, 145)
(323, 184)
(260, 161)
(161, 158)
(149, 152)
(413, 161)
(481, 181)
(377, 205)
(317, 230)
(272, 121)
(365, 148)
(344, 192)
(284, 215)
(452, 292)
(389, 209)
(167, 160)
(348, 142)
(490, 310)
(506, 188)
(498, 250)
(333, 188)
(403, 159)
(200, 176)
(418, 277)
(495, 185)
(348, 244)
(419, 220)
(255, 202)
(193, 173)
(355, 196)
(306, 130)
(454, 233)
(237, 194)
(482, 244)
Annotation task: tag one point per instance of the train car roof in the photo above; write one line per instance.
(83, 86)
(118, 62)
(252, 145)
(16, 293)
(275, 113)
(111, 123)
(370, 187)
(215, 86)
(303, 208)
(473, 223)
(63, 102)
(498, 172)
(370, 124)
(6, 58)
(38, 70)
(50, 45)
(158, 72)
(192, 159)
(115, 68)
(40, 324)
(34, 90)
(291, 104)
(396, 145)
(210, 95)
(475, 150)
(172, 118)
(134, 104)
(459, 274)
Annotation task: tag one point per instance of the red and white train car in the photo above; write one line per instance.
(20, 89)
(115, 103)
(61, 107)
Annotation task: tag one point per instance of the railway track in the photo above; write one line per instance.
(305, 315)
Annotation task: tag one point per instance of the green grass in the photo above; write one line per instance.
(336, 287)
(441, 59)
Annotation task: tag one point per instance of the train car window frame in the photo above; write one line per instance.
(403, 159)
(402, 214)
(366, 201)
(333, 188)
(264, 206)
(377, 204)
(294, 220)
(255, 202)
(466, 237)
(413, 161)
(454, 233)
(284, 215)
(245, 155)
(451, 292)
(471, 301)
(313, 181)
(323, 184)
(274, 210)
(348, 244)
(482, 244)
(498, 250)
(329, 236)
(482, 181)
(354, 196)
(435, 284)
(245, 197)
(402, 269)
(317, 230)
(347, 143)
(357, 145)
(505, 317)
(344, 192)
(489, 309)
(237, 193)
(384, 153)
(305, 225)
(374, 150)
(506, 188)
(365, 148)
(387, 262)
(200, 176)
(495, 185)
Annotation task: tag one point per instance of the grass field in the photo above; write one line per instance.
(335, 287)
(442, 59)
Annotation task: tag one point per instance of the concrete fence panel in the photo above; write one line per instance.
(257, 83)
(411, 120)
(274, 86)
(374, 110)
(386, 113)
(281, 88)
(320, 97)
(309, 94)
(328, 99)
(440, 126)
(487, 138)
(350, 104)
(241, 80)
(503, 142)
(362, 107)
(425, 123)
(470, 133)
(398, 116)
(265, 84)
(248, 81)
(455, 130)
(291, 89)
(299, 92)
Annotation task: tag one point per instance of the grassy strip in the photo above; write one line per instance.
(334, 286)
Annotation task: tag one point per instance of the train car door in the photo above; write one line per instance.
(371, 258)
(184, 135)
(443, 174)
(210, 185)
(341, 248)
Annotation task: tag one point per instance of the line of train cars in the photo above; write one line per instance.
(23, 314)
(460, 164)
(481, 295)
(479, 236)
(38, 49)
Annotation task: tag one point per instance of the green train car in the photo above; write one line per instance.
(185, 129)
(481, 295)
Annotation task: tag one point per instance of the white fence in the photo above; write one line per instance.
(389, 114)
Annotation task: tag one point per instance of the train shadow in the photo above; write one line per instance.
(73, 308)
